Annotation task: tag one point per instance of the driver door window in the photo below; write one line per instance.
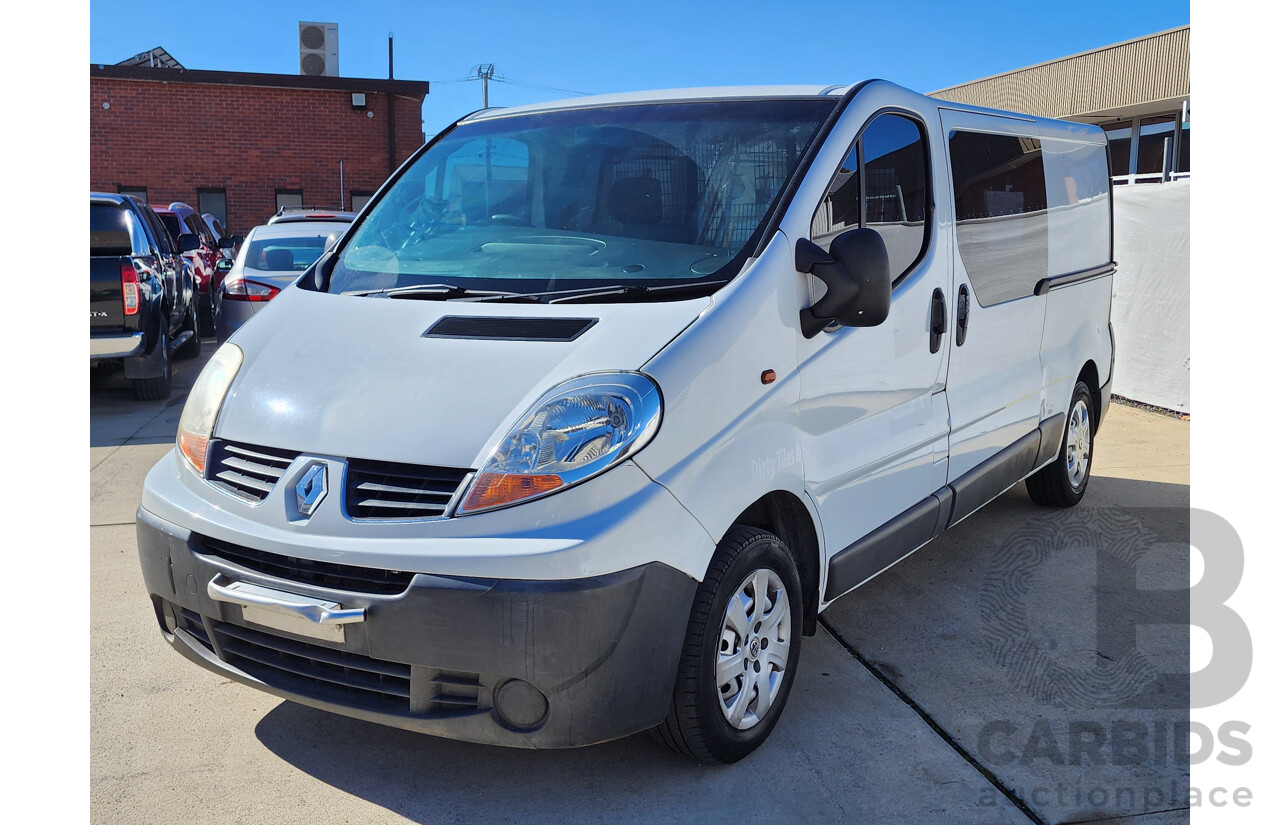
(883, 184)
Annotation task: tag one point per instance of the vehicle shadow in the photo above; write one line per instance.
(116, 417)
(429, 779)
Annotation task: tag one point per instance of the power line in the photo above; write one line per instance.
(484, 72)
(545, 88)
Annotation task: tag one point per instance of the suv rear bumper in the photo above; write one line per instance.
(538, 664)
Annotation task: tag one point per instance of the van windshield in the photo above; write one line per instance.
(648, 195)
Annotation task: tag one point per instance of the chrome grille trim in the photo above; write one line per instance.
(390, 491)
(245, 471)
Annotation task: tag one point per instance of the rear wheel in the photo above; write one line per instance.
(158, 388)
(740, 652)
(1062, 483)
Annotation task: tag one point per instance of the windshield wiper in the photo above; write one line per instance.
(620, 291)
(437, 292)
(624, 291)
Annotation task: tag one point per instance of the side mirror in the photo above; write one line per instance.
(188, 242)
(858, 279)
(226, 242)
(222, 267)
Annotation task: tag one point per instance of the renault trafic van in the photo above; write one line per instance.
(598, 404)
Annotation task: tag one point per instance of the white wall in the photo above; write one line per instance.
(1151, 304)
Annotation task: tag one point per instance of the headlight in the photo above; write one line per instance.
(578, 430)
(201, 411)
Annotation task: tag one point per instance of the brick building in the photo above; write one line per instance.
(240, 145)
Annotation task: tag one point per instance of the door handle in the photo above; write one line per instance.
(937, 321)
(962, 315)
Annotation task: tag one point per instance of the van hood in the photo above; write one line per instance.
(354, 377)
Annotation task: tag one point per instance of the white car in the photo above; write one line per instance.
(598, 404)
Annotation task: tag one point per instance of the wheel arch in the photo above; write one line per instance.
(784, 514)
(1089, 375)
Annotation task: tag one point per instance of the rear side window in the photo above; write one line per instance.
(883, 184)
(1002, 223)
(110, 230)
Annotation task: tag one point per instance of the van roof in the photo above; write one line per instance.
(1061, 128)
(665, 95)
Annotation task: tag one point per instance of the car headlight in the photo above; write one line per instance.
(577, 430)
(204, 402)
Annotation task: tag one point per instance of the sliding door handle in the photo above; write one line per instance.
(937, 320)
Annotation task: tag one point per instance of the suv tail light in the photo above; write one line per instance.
(129, 288)
(242, 290)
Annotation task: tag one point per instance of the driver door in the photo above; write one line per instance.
(873, 411)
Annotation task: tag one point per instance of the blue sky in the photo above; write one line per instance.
(603, 47)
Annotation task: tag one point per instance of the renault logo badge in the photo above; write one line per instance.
(311, 489)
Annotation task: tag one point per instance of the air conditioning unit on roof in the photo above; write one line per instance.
(318, 49)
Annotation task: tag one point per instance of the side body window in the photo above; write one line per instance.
(883, 184)
(158, 232)
(1002, 219)
(139, 232)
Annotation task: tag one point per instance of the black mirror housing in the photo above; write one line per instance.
(226, 242)
(858, 280)
(188, 242)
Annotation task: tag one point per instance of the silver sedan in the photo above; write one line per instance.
(271, 257)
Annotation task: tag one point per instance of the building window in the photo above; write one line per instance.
(1150, 149)
(1118, 138)
(890, 156)
(288, 197)
(1155, 144)
(359, 198)
(213, 202)
(1002, 221)
(139, 192)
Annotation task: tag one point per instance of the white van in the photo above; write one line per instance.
(599, 403)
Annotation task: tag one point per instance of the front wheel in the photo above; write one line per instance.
(740, 652)
(1062, 483)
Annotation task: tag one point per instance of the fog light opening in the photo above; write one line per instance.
(519, 704)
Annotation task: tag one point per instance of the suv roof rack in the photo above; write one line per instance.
(290, 214)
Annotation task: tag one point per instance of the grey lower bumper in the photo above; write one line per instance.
(115, 346)
(538, 664)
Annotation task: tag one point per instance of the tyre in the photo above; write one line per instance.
(156, 389)
(740, 650)
(1062, 483)
(191, 349)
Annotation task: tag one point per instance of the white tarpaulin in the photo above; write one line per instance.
(1151, 307)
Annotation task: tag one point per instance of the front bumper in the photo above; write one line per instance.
(538, 664)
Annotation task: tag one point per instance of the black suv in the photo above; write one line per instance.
(142, 307)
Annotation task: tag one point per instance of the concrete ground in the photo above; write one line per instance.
(920, 699)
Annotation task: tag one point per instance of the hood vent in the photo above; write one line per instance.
(510, 329)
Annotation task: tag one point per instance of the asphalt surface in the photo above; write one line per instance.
(1010, 672)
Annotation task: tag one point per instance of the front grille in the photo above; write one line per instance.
(323, 673)
(386, 490)
(349, 577)
(247, 471)
(345, 678)
(190, 621)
